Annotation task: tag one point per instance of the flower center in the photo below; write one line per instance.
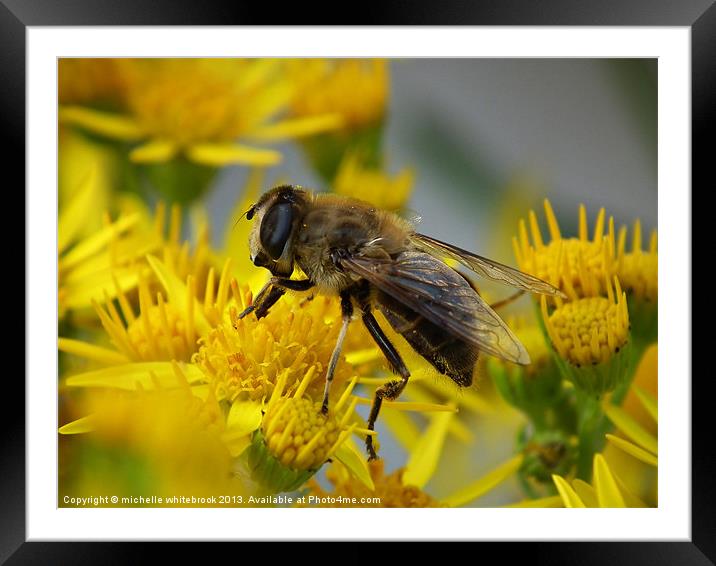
(243, 359)
(298, 434)
(195, 100)
(589, 331)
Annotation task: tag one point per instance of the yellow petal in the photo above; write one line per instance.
(648, 401)
(543, 502)
(128, 376)
(103, 123)
(244, 417)
(464, 397)
(220, 154)
(91, 352)
(298, 127)
(631, 428)
(486, 483)
(608, 493)
(348, 455)
(630, 499)
(154, 151)
(92, 287)
(92, 245)
(634, 450)
(236, 443)
(569, 496)
(586, 493)
(178, 293)
(80, 426)
(407, 406)
(426, 453)
(73, 216)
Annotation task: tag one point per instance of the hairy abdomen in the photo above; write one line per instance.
(448, 354)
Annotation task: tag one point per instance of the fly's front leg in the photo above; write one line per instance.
(270, 293)
(347, 314)
(390, 390)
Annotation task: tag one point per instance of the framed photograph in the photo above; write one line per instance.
(283, 278)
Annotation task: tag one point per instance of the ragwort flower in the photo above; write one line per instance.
(198, 108)
(579, 266)
(159, 442)
(357, 90)
(591, 336)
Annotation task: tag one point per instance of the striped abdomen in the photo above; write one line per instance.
(448, 354)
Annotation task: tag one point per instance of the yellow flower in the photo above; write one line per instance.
(292, 339)
(577, 266)
(591, 336)
(638, 269)
(405, 486)
(390, 490)
(606, 489)
(373, 185)
(638, 272)
(295, 438)
(161, 443)
(198, 108)
(87, 266)
(356, 89)
(107, 264)
(81, 203)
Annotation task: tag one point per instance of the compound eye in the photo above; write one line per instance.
(276, 229)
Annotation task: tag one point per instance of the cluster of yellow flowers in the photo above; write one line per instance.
(164, 388)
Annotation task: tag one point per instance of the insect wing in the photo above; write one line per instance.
(485, 267)
(441, 295)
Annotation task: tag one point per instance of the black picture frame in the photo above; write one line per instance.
(699, 15)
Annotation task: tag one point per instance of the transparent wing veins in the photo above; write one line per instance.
(486, 267)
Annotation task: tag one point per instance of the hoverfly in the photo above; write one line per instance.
(373, 259)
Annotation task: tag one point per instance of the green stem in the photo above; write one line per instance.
(591, 428)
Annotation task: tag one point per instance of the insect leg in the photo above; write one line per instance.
(508, 300)
(390, 390)
(347, 312)
(270, 293)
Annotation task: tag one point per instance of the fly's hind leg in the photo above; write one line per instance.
(390, 390)
(508, 300)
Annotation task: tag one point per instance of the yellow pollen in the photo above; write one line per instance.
(298, 434)
(589, 331)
